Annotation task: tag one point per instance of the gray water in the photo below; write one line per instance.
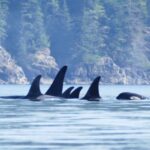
(75, 124)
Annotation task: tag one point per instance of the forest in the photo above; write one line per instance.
(78, 31)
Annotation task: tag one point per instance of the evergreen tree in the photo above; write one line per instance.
(13, 23)
(148, 12)
(65, 37)
(92, 43)
(84, 32)
(126, 36)
(3, 20)
(119, 37)
(59, 28)
(51, 12)
(65, 17)
(137, 35)
(32, 32)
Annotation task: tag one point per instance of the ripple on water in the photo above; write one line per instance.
(76, 124)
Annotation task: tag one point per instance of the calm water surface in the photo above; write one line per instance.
(75, 124)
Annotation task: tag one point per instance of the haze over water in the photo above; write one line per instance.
(75, 124)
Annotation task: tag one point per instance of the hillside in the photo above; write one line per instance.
(108, 38)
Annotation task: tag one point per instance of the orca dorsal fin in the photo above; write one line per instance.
(57, 86)
(67, 92)
(76, 92)
(93, 91)
(34, 90)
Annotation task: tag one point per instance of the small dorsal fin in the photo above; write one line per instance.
(34, 90)
(67, 92)
(57, 86)
(76, 92)
(93, 91)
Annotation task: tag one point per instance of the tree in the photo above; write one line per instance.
(126, 36)
(137, 35)
(32, 33)
(92, 43)
(59, 27)
(118, 41)
(51, 10)
(3, 20)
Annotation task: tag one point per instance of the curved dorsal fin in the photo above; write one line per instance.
(66, 93)
(93, 91)
(34, 90)
(76, 92)
(57, 86)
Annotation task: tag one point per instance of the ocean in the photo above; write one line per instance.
(73, 124)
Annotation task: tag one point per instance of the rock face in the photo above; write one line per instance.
(42, 63)
(10, 72)
(110, 73)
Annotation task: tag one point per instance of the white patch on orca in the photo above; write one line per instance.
(134, 98)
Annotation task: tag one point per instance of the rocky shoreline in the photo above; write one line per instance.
(43, 63)
(10, 72)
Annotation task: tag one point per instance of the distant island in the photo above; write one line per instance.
(93, 37)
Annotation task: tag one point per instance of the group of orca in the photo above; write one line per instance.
(56, 90)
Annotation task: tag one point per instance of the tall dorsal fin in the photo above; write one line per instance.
(76, 92)
(66, 93)
(93, 91)
(57, 86)
(34, 90)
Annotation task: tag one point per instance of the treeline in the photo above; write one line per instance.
(78, 30)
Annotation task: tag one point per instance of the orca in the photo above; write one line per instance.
(56, 87)
(55, 90)
(75, 93)
(130, 96)
(67, 92)
(33, 93)
(93, 91)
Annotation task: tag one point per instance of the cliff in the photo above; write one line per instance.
(10, 72)
(40, 62)
(43, 63)
(110, 73)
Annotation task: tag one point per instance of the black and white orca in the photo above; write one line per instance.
(55, 90)
(33, 93)
(67, 92)
(130, 96)
(75, 94)
(93, 91)
(56, 87)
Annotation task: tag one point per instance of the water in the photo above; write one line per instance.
(74, 124)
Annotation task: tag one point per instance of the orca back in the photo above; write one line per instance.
(76, 92)
(67, 92)
(130, 96)
(13, 97)
(93, 91)
(57, 86)
(34, 90)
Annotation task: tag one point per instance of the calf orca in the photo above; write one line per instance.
(66, 93)
(93, 91)
(33, 93)
(76, 92)
(130, 96)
